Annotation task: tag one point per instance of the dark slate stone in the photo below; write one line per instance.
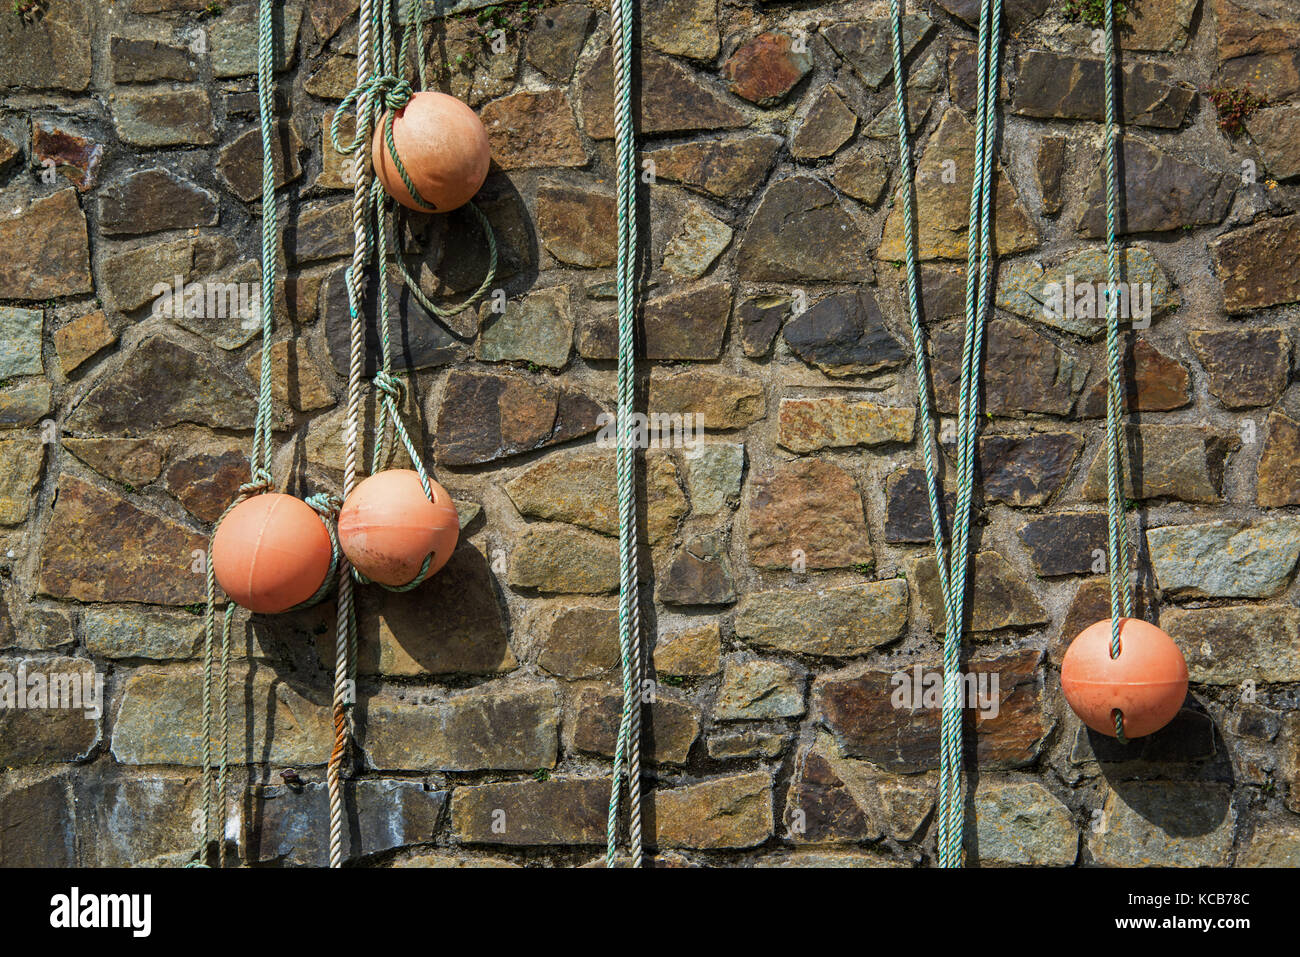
(164, 384)
(844, 334)
(1052, 85)
(153, 200)
(1026, 469)
(38, 825)
(380, 816)
(760, 319)
(856, 706)
(419, 341)
(144, 61)
(907, 507)
(1064, 544)
(1160, 192)
(700, 573)
(800, 231)
(487, 417)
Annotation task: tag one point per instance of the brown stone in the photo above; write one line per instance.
(577, 225)
(1153, 382)
(720, 401)
(154, 200)
(766, 68)
(856, 706)
(529, 130)
(861, 175)
(47, 249)
(1258, 46)
(1181, 462)
(163, 384)
(522, 813)
(1049, 167)
(724, 167)
(865, 44)
(207, 480)
(999, 597)
(1278, 479)
(21, 460)
(295, 378)
(507, 727)
(700, 573)
(556, 39)
(1275, 131)
(807, 425)
(1056, 86)
(1065, 543)
(720, 813)
(1024, 371)
(561, 559)
(49, 51)
(399, 638)
(1247, 367)
(1229, 646)
(158, 719)
(1259, 265)
(828, 125)
(487, 417)
(671, 727)
(579, 487)
(164, 117)
(800, 231)
(760, 319)
(683, 103)
(576, 641)
(833, 622)
(1162, 192)
(1026, 470)
(56, 719)
(81, 339)
(684, 323)
(844, 334)
(240, 162)
(693, 652)
(134, 462)
(943, 208)
(810, 510)
(100, 547)
(145, 61)
(75, 157)
(686, 28)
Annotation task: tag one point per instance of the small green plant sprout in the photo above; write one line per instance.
(864, 568)
(26, 10)
(1091, 12)
(1234, 106)
(213, 9)
(541, 774)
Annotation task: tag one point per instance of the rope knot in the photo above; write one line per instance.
(397, 92)
(388, 384)
(325, 504)
(259, 483)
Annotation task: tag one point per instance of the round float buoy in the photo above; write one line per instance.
(1146, 683)
(444, 147)
(271, 552)
(387, 527)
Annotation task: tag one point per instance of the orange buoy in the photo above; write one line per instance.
(271, 552)
(387, 527)
(444, 147)
(1147, 682)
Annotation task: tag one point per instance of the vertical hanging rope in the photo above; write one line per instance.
(1121, 594)
(953, 563)
(627, 751)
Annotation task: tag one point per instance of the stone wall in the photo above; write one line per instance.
(786, 553)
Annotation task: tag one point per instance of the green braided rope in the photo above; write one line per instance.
(952, 562)
(627, 751)
(1121, 594)
(260, 481)
(396, 92)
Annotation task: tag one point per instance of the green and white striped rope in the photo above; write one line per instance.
(1117, 541)
(326, 506)
(627, 751)
(952, 559)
